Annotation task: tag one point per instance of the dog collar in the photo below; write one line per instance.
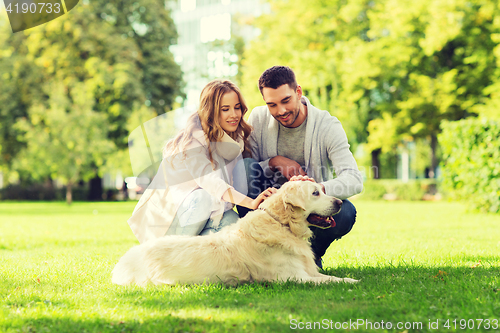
(274, 218)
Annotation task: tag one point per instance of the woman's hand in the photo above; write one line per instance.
(263, 196)
(238, 198)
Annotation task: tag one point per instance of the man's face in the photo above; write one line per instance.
(284, 104)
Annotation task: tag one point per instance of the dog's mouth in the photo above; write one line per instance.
(322, 222)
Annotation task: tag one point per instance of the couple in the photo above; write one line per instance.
(219, 160)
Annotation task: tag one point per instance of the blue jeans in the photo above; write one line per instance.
(193, 216)
(249, 179)
(255, 182)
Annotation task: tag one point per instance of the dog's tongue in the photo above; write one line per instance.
(321, 222)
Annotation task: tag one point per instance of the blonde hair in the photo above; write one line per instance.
(207, 118)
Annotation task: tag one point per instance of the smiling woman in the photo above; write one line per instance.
(193, 192)
(230, 115)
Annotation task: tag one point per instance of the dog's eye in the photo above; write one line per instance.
(316, 193)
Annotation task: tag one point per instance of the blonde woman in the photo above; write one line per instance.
(192, 193)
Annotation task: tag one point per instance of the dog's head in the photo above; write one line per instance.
(303, 202)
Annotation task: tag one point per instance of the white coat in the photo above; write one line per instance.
(157, 207)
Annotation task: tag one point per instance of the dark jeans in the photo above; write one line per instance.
(257, 182)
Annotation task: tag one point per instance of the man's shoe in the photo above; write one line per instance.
(319, 262)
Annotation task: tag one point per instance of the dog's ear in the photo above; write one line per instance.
(294, 197)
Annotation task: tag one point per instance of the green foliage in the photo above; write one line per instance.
(61, 144)
(73, 89)
(471, 162)
(373, 190)
(19, 81)
(377, 189)
(390, 70)
(410, 191)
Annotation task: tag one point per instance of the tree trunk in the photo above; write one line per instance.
(432, 171)
(376, 163)
(95, 188)
(69, 194)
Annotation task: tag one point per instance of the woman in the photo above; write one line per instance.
(192, 193)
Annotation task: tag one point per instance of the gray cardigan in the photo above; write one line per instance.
(326, 149)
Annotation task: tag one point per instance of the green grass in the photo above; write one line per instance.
(417, 261)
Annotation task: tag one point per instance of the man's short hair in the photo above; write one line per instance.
(277, 76)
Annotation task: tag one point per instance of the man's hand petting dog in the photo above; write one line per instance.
(286, 167)
(306, 178)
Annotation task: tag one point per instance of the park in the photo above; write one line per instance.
(418, 262)
(89, 99)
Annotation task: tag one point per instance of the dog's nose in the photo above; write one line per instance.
(337, 205)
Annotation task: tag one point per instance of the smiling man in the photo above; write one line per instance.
(291, 138)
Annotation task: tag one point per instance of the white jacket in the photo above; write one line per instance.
(157, 207)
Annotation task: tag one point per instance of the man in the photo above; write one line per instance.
(292, 138)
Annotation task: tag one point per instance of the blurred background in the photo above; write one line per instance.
(416, 86)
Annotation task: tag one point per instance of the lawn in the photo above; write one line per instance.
(424, 267)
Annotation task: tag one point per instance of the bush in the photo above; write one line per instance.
(471, 162)
(373, 190)
(412, 190)
(417, 189)
(40, 192)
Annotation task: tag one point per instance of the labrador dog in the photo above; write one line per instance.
(268, 244)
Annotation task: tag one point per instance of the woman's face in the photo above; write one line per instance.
(230, 112)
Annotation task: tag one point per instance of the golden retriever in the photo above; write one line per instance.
(268, 244)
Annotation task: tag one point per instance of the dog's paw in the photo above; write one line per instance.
(348, 280)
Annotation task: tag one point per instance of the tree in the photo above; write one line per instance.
(117, 53)
(450, 61)
(61, 144)
(390, 70)
(19, 82)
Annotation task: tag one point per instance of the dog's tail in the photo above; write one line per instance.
(130, 268)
